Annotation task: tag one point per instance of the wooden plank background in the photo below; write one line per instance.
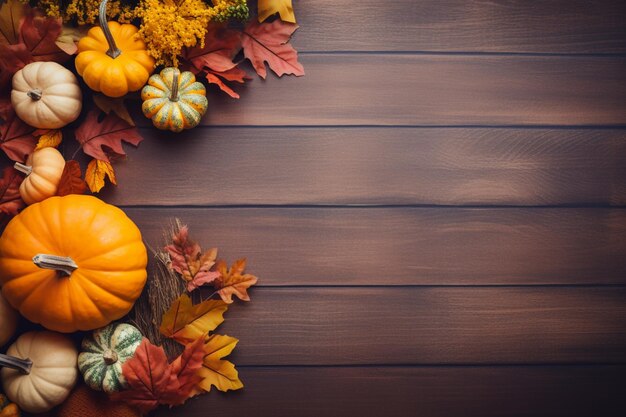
(436, 211)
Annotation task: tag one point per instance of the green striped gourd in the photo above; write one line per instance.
(103, 353)
(174, 100)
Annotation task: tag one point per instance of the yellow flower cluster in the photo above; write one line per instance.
(85, 11)
(170, 25)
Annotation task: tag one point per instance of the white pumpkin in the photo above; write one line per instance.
(8, 320)
(46, 95)
(51, 377)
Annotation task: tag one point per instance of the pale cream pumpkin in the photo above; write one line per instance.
(8, 320)
(43, 170)
(46, 95)
(39, 370)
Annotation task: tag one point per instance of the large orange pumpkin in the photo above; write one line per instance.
(72, 263)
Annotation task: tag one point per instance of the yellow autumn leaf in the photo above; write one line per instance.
(96, 173)
(185, 322)
(51, 139)
(267, 8)
(215, 371)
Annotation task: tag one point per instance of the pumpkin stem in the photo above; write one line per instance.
(60, 263)
(35, 94)
(113, 51)
(24, 169)
(22, 365)
(174, 95)
(109, 356)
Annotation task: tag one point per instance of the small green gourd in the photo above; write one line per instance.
(104, 352)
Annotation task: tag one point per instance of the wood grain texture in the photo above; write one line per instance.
(556, 26)
(418, 391)
(407, 89)
(409, 246)
(457, 166)
(425, 325)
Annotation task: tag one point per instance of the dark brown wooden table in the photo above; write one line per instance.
(436, 212)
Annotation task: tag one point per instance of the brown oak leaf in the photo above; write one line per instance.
(187, 259)
(233, 281)
(268, 42)
(153, 381)
(17, 139)
(71, 180)
(11, 14)
(98, 138)
(10, 201)
(115, 105)
(185, 322)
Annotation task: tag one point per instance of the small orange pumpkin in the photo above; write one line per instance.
(43, 170)
(112, 58)
(72, 263)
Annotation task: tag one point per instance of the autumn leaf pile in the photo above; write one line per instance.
(223, 56)
(152, 379)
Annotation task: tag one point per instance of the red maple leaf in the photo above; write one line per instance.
(268, 42)
(153, 381)
(187, 259)
(71, 181)
(99, 138)
(234, 74)
(10, 201)
(220, 46)
(37, 38)
(17, 139)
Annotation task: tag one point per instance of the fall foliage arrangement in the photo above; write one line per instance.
(107, 337)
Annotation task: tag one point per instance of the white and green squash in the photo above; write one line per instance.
(174, 100)
(104, 352)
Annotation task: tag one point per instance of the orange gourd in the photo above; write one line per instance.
(112, 59)
(72, 263)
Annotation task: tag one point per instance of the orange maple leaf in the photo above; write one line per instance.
(233, 281)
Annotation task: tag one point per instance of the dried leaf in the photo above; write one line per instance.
(153, 381)
(185, 322)
(17, 139)
(188, 260)
(94, 136)
(115, 105)
(11, 14)
(71, 180)
(186, 368)
(234, 74)
(10, 201)
(220, 46)
(6, 109)
(268, 42)
(149, 377)
(69, 37)
(217, 372)
(233, 281)
(96, 173)
(51, 138)
(267, 8)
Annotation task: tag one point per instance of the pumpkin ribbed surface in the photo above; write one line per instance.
(184, 111)
(117, 76)
(99, 238)
(104, 352)
(47, 168)
(52, 375)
